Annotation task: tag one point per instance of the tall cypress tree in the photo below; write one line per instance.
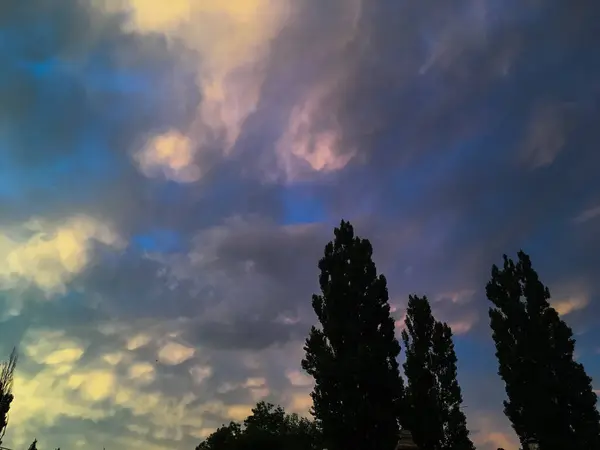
(433, 393)
(550, 397)
(353, 356)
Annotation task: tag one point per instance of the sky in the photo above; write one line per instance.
(171, 171)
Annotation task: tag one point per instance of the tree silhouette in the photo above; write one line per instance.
(456, 433)
(550, 397)
(267, 428)
(33, 445)
(353, 356)
(224, 438)
(7, 370)
(433, 393)
(422, 391)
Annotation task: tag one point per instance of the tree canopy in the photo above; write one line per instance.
(433, 393)
(267, 428)
(550, 397)
(358, 394)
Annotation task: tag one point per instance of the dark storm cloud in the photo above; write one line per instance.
(78, 93)
(475, 119)
(475, 130)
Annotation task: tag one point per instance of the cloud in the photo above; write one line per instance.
(545, 137)
(233, 44)
(488, 436)
(137, 341)
(75, 109)
(96, 387)
(144, 372)
(171, 154)
(588, 214)
(186, 161)
(49, 255)
(173, 353)
(200, 373)
(311, 140)
(570, 297)
(565, 306)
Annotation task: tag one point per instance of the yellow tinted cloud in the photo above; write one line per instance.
(570, 296)
(300, 379)
(61, 389)
(156, 16)
(113, 358)
(51, 348)
(51, 385)
(171, 155)
(138, 341)
(94, 385)
(200, 373)
(492, 432)
(239, 412)
(233, 40)
(142, 372)
(230, 37)
(301, 403)
(568, 305)
(50, 255)
(173, 353)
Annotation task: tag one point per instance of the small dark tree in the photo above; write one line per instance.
(33, 445)
(268, 428)
(224, 438)
(303, 434)
(7, 370)
(265, 428)
(353, 358)
(550, 397)
(433, 392)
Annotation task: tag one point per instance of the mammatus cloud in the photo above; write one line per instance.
(312, 140)
(233, 44)
(49, 255)
(97, 386)
(173, 353)
(236, 48)
(170, 155)
(185, 162)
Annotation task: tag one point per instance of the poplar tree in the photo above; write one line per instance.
(353, 355)
(550, 397)
(433, 393)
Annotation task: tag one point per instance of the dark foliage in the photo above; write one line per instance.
(550, 397)
(267, 428)
(7, 370)
(358, 390)
(433, 394)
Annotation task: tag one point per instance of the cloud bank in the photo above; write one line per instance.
(170, 173)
